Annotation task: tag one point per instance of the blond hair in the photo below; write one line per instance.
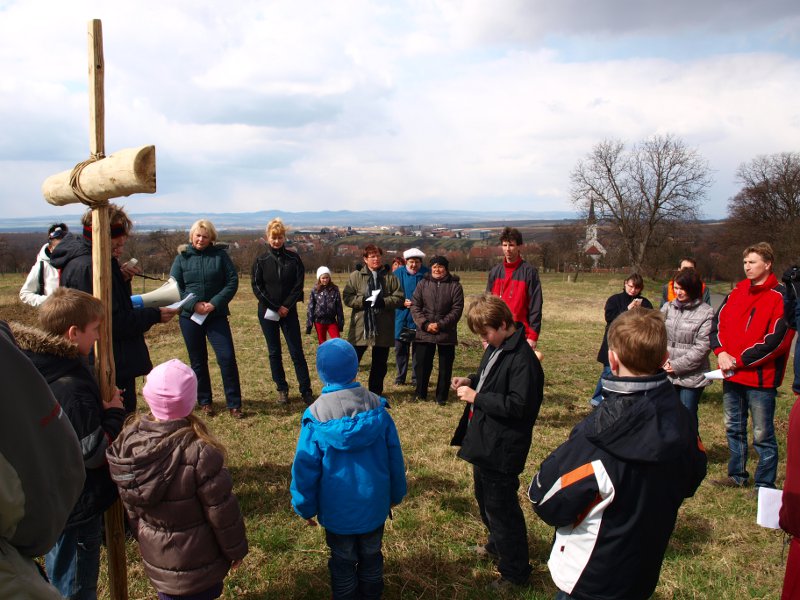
(276, 228)
(66, 307)
(487, 310)
(203, 224)
(639, 337)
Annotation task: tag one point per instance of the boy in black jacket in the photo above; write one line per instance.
(614, 488)
(495, 431)
(70, 321)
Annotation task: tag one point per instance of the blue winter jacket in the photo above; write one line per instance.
(348, 469)
(408, 283)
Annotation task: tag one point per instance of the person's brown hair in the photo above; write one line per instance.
(639, 338)
(372, 249)
(511, 234)
(764, 250)
(637, 280)
(690, 281)
(66, 307)
(117, 218)
(487, 310)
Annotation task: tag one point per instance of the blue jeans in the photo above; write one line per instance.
(356, 565)
(690, 398)
(218, 331)
(290, 326)
(498, 503)
(74, 562)
(737, 400)
(597, 397)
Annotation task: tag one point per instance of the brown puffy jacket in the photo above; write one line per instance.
(180, 503)
(438, 301)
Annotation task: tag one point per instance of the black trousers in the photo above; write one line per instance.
(424, 368)
(498, 502)
(377, 372)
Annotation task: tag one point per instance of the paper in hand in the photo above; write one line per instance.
(198, 318)
(769, 506)
(271, 315)
(374, 296)
(179, 304)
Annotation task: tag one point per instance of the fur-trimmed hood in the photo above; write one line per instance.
(214, 245)
(32, 339)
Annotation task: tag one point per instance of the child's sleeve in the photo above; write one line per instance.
(215, 491)
(397, 466)
(565, 490)
(306, 474)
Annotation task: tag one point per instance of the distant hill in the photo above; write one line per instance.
(324, 218)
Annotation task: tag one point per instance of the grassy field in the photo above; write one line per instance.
(717, 551)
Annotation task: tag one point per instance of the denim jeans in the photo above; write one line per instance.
(597, 396)
(378, 369)
(356, 565)
(290, 326)
(218, 331)
(498, 503)
(737, 400)
(401, 351)
(690, 398)
(425, 354)
(74, 562)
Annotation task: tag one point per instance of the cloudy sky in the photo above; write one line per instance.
(357, 104)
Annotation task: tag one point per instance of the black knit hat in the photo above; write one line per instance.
(440, 260)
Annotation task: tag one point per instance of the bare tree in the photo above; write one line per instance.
(640, 191)
(769, 202)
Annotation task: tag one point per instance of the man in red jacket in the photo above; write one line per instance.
(517, 283)
(751, 338)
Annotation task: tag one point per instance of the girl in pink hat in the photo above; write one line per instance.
(171, 475)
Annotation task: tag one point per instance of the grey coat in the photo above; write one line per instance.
(688, 341)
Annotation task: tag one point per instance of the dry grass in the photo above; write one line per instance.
(717, 551)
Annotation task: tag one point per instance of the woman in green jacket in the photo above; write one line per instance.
(204, 268)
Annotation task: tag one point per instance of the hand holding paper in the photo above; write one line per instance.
(373, 296)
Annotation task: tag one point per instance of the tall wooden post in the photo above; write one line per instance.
(94, 182)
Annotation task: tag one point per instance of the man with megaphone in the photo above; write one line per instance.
(73, 257)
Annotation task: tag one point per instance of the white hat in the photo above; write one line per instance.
(413, 253)
(323, 271)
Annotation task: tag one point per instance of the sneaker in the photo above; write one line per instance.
(283, 397)
(308, 398)
(728, 482)
(237, 413)
(208, 410)
(482, 552)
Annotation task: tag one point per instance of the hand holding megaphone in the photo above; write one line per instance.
(167, 294)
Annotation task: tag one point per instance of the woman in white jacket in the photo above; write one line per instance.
(43, 278)
(688, 322)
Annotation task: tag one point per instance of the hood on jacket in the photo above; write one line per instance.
(640, 420)
(349, 433)
(145, 476)
(189, 249)
(41, 347)
(70, 247)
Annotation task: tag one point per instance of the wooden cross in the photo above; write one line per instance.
(94, 182)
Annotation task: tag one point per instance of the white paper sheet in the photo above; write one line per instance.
(271, 315)
(717, 374)
(179, 304)
(373, 296)
(769, 505)
(198, 318)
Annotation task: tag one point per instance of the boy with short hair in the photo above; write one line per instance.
(70, 322)
(495, 431)
(348, 471)
(613, 489)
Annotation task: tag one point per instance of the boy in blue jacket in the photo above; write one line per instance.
(348, 471)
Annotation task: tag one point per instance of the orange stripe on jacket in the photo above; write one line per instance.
(581, 472)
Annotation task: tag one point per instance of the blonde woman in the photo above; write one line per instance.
(204, 268)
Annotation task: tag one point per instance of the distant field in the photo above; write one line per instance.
(716, 552)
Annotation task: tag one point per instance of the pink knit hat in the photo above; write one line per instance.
(170, 390)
